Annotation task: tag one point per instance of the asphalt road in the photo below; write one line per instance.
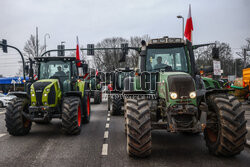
(102, 142)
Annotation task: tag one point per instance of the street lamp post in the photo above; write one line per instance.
(180, 17)
(47, 34)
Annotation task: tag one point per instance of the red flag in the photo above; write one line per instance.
(96, 72)
(78, 52)
(189, 26)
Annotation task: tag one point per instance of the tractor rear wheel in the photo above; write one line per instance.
(16, 123)
(117, 104)
(71, 115)
(138, 128)
(97, 97)
(225, 133)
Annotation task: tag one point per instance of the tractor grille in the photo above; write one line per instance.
(181, 84)
(52, 95)
(39, 87)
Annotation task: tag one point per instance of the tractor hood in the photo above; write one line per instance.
(178, 82)
(45, 92)
(182, 84)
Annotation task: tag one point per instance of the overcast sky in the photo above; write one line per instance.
(93, 20)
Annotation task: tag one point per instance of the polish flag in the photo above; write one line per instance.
(96, 72)
(78, 52)
(189, 26)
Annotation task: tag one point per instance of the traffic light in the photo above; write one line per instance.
(124, 47)
(60, 51)
(215, 53)
(4, 46)
(90, 50)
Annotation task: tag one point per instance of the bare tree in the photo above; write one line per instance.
(241, 54)
(108, 60)
(203, 57)
(30, 47)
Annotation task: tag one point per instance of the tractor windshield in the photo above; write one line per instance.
(168, 59)
(54, 69)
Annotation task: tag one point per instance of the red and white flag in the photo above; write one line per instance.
(96, 72)
(189, 26)
(78, 52)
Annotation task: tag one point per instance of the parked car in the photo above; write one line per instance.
(5, 99)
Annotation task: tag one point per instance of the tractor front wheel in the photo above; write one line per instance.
(71, 115)
(117, 103)
(225, 133)
(16, 123)
(138, 128)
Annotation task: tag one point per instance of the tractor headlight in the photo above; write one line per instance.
(47, 90)
(33, 94)
(192, 95)
(31, 90)
(45, 94)
(173, 95)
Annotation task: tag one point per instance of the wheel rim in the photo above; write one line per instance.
(88, 105)
(213, 128)
(212, 135)
(26, 123)
(79, 115)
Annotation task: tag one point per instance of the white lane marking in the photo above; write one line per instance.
(2, 112)
(108, 119)
(106, 134)
(105, 149)
(108, 115)
(107, 125)
(3, 134)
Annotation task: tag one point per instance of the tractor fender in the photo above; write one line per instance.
(213, 91)
(73, 93)
(23, 95)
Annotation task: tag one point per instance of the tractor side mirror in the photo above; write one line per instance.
(85, 68)
(215, 53)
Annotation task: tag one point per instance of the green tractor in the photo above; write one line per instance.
(116, 100)
(58, 93)
(96, 87)
(168, 93)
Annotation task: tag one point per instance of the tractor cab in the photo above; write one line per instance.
(165, 56)
(62, 69)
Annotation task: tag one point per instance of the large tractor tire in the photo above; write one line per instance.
(16, 123)
(225, 133)
(138, 128)
(86, 109)
(97, 97)
(117, 104)
(72, 115)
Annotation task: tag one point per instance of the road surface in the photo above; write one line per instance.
(102, 142)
